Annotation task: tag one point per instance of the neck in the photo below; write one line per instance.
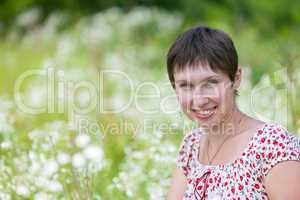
(227, 128)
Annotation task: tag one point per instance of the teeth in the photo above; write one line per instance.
(206, 112)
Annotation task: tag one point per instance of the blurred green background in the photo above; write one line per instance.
(72, 148)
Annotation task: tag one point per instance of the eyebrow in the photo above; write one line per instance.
(205, 79)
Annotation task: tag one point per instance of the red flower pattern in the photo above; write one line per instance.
(242, 178)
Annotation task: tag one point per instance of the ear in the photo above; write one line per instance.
(237, 78)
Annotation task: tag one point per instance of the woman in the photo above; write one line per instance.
(231, 155)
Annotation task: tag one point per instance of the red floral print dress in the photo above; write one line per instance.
(243, 178)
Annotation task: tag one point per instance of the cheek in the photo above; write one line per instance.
(224, 101)
(184, 99)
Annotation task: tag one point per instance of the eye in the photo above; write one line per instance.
(210, 83)
(186, 86)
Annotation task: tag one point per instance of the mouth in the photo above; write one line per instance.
(205, 114)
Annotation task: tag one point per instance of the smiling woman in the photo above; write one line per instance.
(231, 155)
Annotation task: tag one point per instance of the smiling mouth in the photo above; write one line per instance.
(205, 114)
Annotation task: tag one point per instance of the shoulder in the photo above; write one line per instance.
(189, 140)
(275, 138)
(191, 136)
(185, 150)
(280, 153)
(273, 145)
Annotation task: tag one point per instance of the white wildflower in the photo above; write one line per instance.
(22, 190)
(5, 124)
(46, 146)
(41, 181)
(63, 158)
(65, 47)
(42, 196)
(29, 17)
(4, 196)
(36, 96)
(54, 186)
(78, 160)
(84, 99)
(2, 117)
(93, 152)
(50, 168)
(82, 140)
(6, 145)
(36, 134)
(54, 136)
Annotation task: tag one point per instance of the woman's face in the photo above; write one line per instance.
(205, 96)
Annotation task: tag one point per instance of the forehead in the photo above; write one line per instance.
(196, 72)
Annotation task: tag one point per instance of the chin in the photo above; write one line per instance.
(209, 123)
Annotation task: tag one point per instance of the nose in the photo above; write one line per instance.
(199, 100)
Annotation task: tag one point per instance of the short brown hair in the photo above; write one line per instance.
(204, 45)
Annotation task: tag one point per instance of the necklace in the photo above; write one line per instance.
(210, 160)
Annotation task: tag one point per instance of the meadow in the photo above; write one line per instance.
(87, 112)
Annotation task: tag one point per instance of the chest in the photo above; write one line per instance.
(223, 154)
(226, 182)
